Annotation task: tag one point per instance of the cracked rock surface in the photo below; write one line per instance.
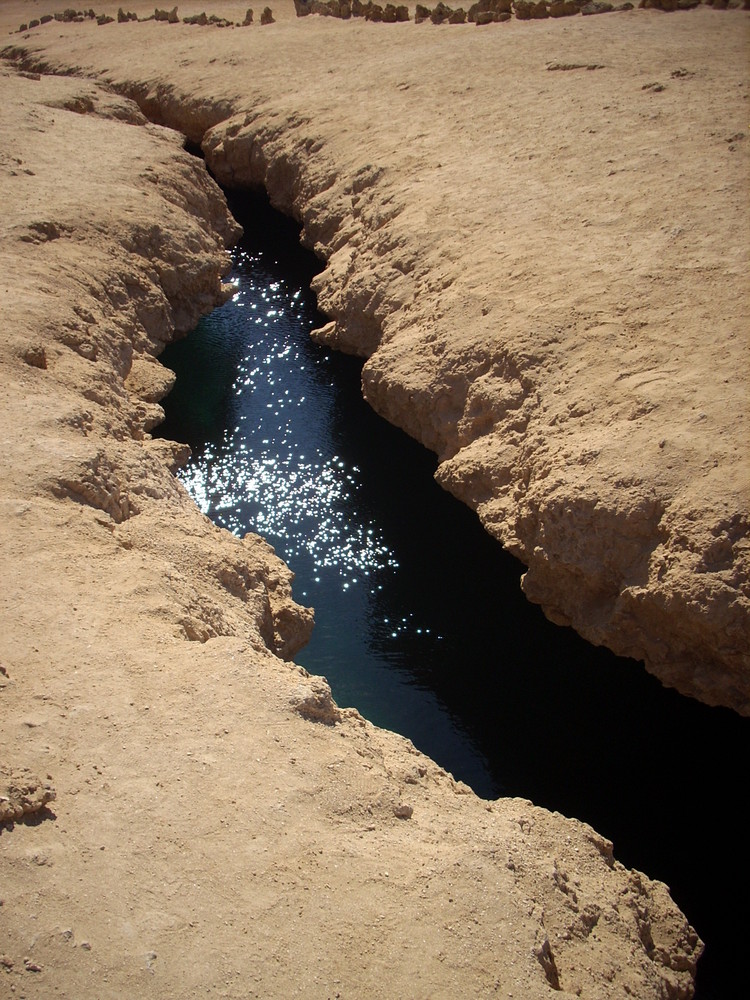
(546, 278)
(543, 269)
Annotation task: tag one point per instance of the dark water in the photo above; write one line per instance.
(420, 622)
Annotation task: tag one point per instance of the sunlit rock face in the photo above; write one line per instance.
(459, 195)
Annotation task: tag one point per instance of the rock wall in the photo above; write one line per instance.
(549, 293)
(130, 262)
(216, 821)
(623, 486)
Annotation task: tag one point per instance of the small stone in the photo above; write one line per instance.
(35, 356)
(402, 811)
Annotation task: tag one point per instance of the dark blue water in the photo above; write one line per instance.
(420, 622)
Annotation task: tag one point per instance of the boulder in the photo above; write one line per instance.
(488, 6)
(563, 8)
(440, 13)
(22, 792)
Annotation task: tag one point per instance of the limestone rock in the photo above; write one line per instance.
(509, 377)
(440, 13)
(313, 701)
(22, 793)
(563, 8)
(166, 15)
(485, 7)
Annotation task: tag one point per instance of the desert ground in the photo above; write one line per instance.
(537, 234)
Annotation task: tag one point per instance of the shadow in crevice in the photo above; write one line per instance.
(441, 645)
(36, 818)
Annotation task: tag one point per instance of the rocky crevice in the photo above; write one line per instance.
(98, 477)
(139, 283)
(597, 558)
(644, 584)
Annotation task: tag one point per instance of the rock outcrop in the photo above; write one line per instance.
(554, 354)
(206, 787)
(22, 794)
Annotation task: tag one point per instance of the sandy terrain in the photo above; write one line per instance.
(546, 268)
(547, 265)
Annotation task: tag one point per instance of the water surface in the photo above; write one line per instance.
(420, 621)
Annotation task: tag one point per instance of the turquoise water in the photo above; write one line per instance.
(420, 621)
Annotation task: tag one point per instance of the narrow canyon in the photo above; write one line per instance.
(536, 234)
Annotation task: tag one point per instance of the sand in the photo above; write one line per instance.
(545, 265)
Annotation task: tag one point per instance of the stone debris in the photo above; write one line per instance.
(480, 13)
(22, 793)
(313, 701)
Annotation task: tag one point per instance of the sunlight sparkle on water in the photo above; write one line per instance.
(262, 477)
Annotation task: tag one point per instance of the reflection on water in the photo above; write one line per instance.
(279, 447)
(276, 469)
(420, 622)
